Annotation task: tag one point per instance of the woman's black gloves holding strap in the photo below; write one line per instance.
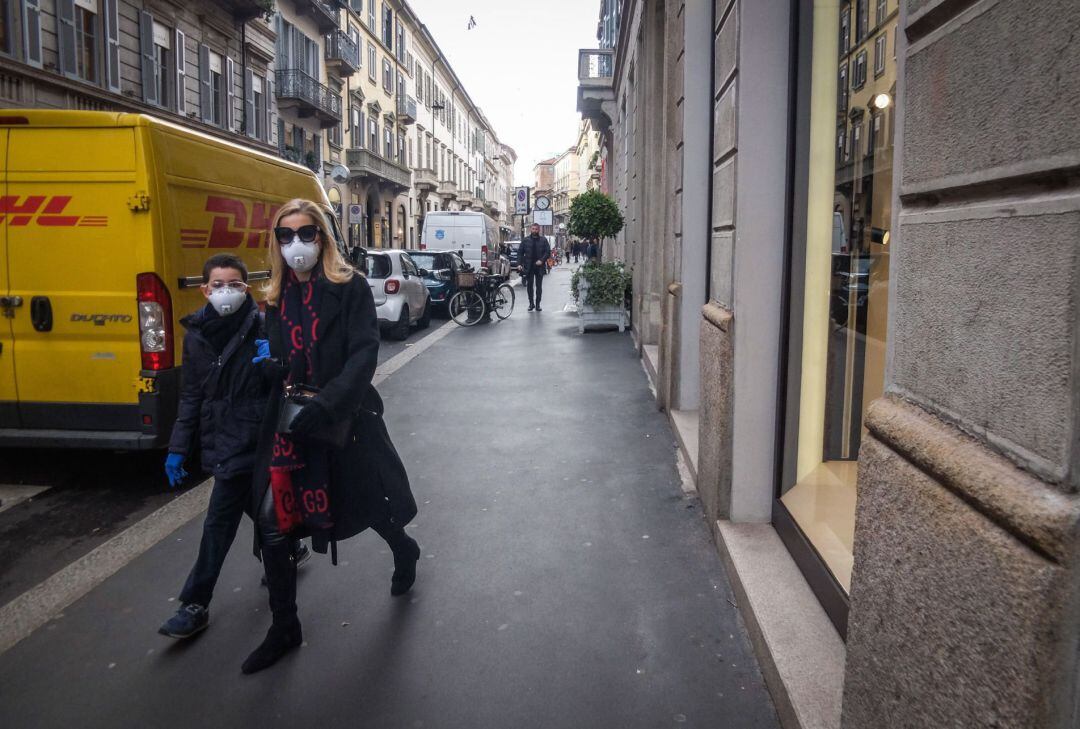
(311, 419)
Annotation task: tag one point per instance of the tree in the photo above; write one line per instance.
(595, 215)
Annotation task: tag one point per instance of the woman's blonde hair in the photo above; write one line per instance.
(333, 265)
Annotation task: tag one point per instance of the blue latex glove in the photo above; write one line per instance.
(262, 347)
(174, 468)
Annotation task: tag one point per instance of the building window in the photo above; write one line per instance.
(399, 49)
(881, 12)
(86, 40)
(334, 136)
(410, 64)
(862, 24)
(371, 66)
(879, 54)
(356, 128)
(401, 158)
(845, 29)
(354, 36)
(388, 143)
(387, 26)
(373, 135)
(858, 73)
(371, 17)
(258, 103)
(838, 349)
(163, 64)
(387, 76)
(217, 90)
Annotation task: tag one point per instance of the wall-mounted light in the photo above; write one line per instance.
(882, 101)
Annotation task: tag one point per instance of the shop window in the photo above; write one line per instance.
(837, 356)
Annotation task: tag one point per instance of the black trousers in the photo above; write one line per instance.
(228, 501)
(534, 274)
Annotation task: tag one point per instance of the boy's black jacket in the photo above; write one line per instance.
(223, 395)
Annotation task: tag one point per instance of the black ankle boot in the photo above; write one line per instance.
(406, 555)
(284, 633)
(279, 640)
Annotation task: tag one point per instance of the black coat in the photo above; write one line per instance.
(368, 482)
(222, 397)
(533, 250)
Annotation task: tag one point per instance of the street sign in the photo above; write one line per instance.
(521, 201)
(356, 214)
(543, 217)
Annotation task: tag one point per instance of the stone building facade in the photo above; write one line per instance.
(853, 232)
(337, 86)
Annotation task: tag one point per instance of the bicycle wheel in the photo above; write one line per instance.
(503, 300)
(466, 307)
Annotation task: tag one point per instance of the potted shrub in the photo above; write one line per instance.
(600, 290)
(594, 215)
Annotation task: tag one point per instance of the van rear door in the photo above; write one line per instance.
(73, 250)
(9, 395)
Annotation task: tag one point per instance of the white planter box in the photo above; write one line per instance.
(589, 315)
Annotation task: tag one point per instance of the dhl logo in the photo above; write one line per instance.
(45, 210)
(233, 225)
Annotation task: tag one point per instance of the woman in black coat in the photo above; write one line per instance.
(323, 334)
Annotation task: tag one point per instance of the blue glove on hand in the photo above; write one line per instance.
(174, 468)
(262, 347)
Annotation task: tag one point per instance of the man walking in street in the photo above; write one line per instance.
(535, 250)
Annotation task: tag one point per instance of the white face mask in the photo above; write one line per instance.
(300, 256)
(227, 301)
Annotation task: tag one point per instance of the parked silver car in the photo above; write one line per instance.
(401, 298)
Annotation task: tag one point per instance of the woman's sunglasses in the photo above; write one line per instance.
(306, 233)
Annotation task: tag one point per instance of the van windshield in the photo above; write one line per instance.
(378, 265)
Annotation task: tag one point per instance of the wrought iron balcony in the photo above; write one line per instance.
(596, 85)
(248, 9)
(406, 109)
(323, 12)
(363, 163)
(297, 90)
(342, 53)
(425, 180)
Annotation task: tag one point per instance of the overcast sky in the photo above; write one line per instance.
(519, 64)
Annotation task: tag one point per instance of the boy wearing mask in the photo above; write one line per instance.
(222, 402)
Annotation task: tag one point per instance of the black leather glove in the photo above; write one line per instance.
(311, 419)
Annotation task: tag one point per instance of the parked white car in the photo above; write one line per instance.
(401, 298)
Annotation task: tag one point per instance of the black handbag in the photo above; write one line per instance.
(293, 400)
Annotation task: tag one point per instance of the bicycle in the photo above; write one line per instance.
(478, 295)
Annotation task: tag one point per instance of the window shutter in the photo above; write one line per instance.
(271, 106)
(317, 139)
(32, 32)
(230, 94)
(180, 56)
(206, 97)
(249, 103)
(146, 54)
(112, 45)
(280, 127)
(65, 32)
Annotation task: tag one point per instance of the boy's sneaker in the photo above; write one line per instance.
(300, 555)
(188, 621)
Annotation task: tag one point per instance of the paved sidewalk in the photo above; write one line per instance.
(566, 581)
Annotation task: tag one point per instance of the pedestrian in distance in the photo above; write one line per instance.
(592, 252)
(533, 254)
(577, 250)
(323, 340)
(222, 400)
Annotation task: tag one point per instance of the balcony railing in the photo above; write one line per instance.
(364, 163)
(406, 109)
(424, 178)
(323, 12)
(294, 88)
(596, 66)
(342, 53)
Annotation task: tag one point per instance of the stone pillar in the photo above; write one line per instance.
(965, 599)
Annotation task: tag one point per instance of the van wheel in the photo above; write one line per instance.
(400, 330)
(425, 320)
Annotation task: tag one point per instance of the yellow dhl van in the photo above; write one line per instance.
(105, 222)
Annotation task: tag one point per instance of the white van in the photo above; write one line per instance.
(474, 235)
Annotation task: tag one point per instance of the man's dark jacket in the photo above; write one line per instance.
(223, 395)
(533, 249)
(368, 482)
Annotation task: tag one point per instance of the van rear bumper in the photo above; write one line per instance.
(100, 439)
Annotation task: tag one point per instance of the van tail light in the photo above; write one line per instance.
(155, 322)
(483, 256)
(391, 286)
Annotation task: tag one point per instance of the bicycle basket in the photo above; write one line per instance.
(465, 279)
